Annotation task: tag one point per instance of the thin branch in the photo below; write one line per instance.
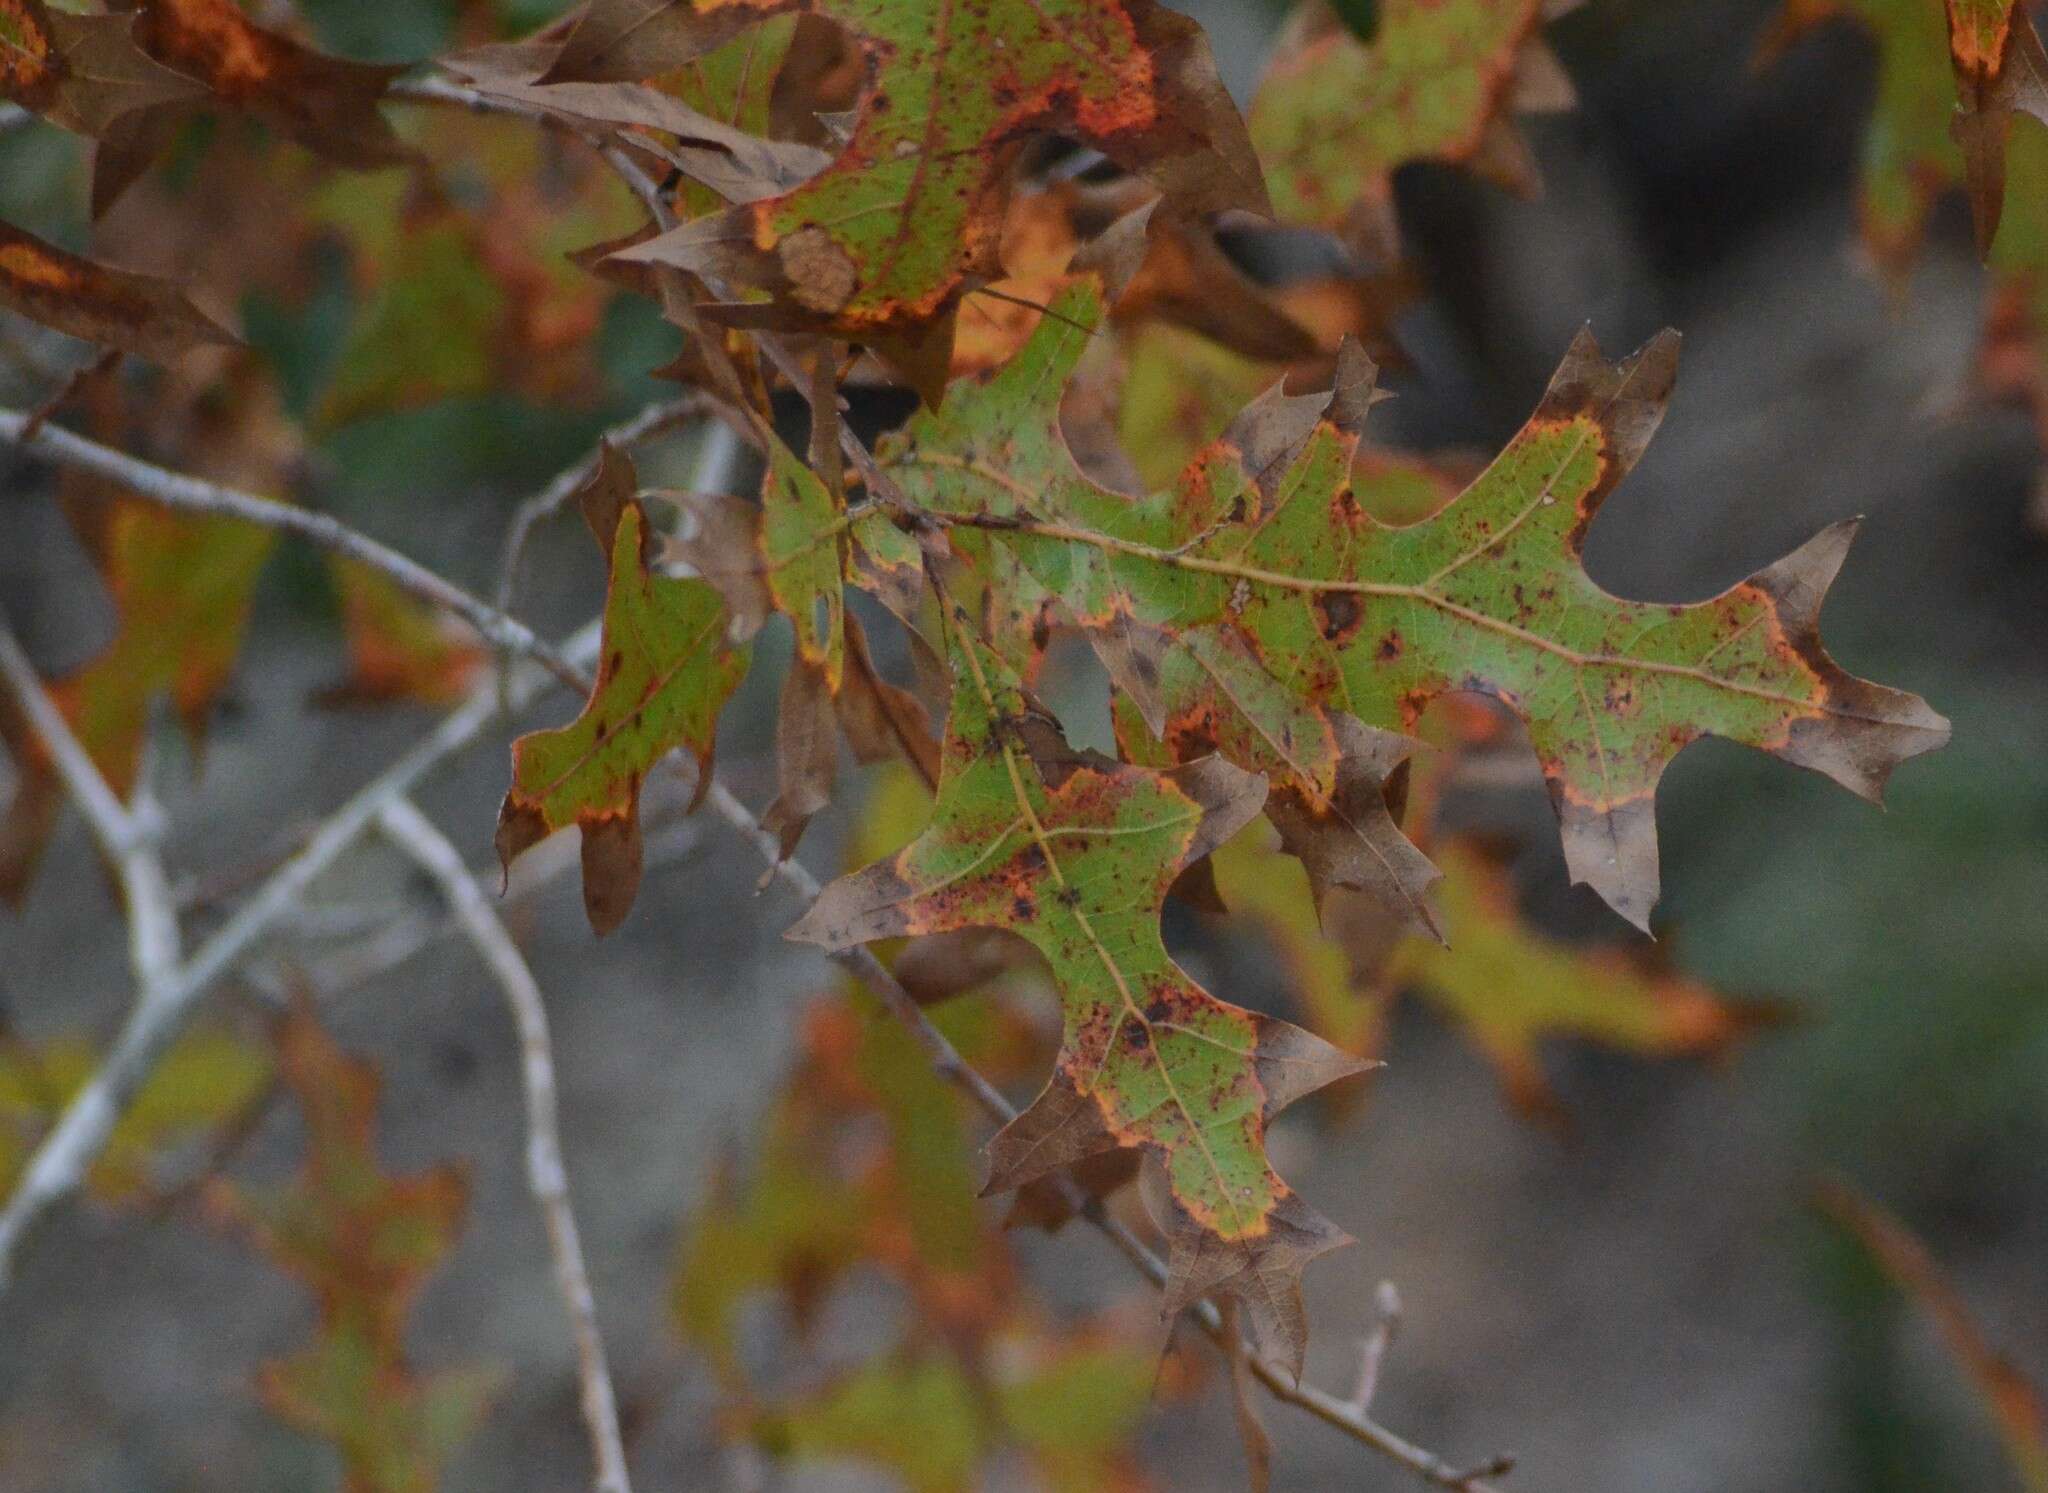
(191, 495)
(546, 1174)
(551, 499)
(81, 1133)
(127, 836)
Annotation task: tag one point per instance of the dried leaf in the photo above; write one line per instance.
(1339, 612)
(882, 721)
(665, 673)
(880, 245)
(1076, 853)
(150, 318)
(733, 164)
(80, 72)
(324, 103)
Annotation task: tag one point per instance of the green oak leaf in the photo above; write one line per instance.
(1075, 853)
(665, 672)
(879, 246)
(1334, 115)
(1489, 595)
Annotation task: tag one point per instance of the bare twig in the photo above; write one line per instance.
(1372, 1351)
(546, 1174)
(551, 499)
(191, 495)
(81, 1133)
(127, 836)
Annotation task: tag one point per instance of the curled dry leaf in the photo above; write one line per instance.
(326, 104)
(138, 314)
(1334, 611)
(1075, 853)
(664, 674)
(735, 165)
(878, 247)
(80, 72)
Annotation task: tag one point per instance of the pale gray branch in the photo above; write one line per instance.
(81, 1133)
(546, 1174)
(191, 495)
(551, 499)
(127, 835)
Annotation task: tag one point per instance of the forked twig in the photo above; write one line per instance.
(546, 1173)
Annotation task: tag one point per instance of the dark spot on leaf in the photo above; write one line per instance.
(1338, 614)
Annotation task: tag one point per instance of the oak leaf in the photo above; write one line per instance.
(1334, 116)
(1075, 853)
(80, 72)
(880, 245)
(1340, 613)
(665, 673)
(363, 1243)
(138, 314)
(327, 104)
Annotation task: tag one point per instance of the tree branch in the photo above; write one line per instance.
(551, 499)
(127, 836)
(546, 1174)
(175, 490)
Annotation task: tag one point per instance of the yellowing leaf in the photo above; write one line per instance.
(207, 1080)
(398, 649)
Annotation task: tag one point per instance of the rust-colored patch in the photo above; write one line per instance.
(25, 66)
